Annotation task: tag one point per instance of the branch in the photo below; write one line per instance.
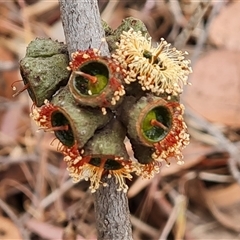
(82, 25)
(82, 28)
(183, 37)
(112, 213)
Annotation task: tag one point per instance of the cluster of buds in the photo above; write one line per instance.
(133, 93)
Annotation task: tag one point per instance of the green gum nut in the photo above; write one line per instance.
(108, 144)
(81, 122)
(44, 69)
(127, 23)
(148, 120)
(97, 83)
(107, 29)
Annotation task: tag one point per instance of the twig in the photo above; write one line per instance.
(46, 230)
(217, 178)
(40, 8)
(8, 65)
(144, 228)
(149, 4)
(56, 194)
(203, 37)
(26, 23)
(177, 12)
(82, 28)
(194, 20)
(40, 188)
(10, 182)
(8, 161)
(28, 174)
(224, 143)
(173, 217)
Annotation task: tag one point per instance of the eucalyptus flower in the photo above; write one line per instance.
(157, 131)
(104, 154)
(96, 81)
(161, 69)
(176, 139)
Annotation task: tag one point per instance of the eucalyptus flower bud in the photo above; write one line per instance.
(44, 69)
(70, 123)
(128, 23)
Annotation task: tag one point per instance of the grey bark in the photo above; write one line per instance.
(112, 213)
(82, 27)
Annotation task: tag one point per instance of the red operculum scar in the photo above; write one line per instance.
(115, 84)
(118, 89)
(72, 155)
(104, 101)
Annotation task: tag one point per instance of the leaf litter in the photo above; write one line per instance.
(199, 200)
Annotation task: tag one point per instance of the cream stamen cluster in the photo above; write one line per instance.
(80, 168)
(149, 170)
(117, 95)
(162, 69)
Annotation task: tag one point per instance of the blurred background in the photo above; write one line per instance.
(199, 200)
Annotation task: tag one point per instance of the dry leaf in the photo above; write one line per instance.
(227, 216)
(214, 93)
(192, 156)
(8, 230)
(46, 230)
(218, 195)
(7, 77)
(224, 30)
(222, 202)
